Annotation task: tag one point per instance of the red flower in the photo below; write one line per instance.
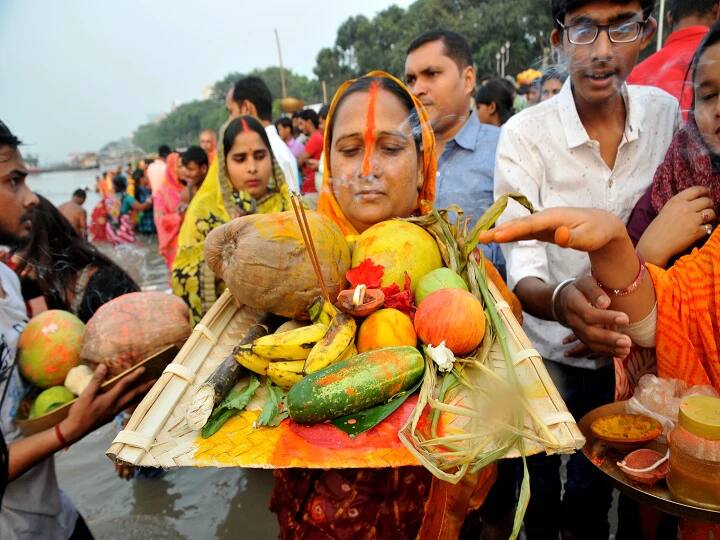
(402, 300)
(366, 273)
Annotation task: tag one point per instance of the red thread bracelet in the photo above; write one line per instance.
(630, 288)
(60, 436)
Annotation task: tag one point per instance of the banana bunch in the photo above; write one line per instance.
(291, 345)
(286, 357)
(337, 344)
(281, 356)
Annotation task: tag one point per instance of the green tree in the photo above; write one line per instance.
(363, 44)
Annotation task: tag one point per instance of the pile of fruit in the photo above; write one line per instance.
(365, 347)
(58, 353)
(49, 358)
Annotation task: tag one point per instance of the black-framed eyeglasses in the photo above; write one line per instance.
(587, 33)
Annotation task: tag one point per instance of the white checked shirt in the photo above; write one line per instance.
(545, 153)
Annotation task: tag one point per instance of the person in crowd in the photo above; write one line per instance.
(143, 195)
(251, 96)
(120, 207)
(494, 103)
(379, 503)
(156, 170)
(33, 505)
(75, 213)
(298, 133)
(71, 274)
(208, 142)
(322, 117)
(552, 82)
(310, 158)
(669, 67)
(601, 144)
(166, 202)
(195, 164)
(439, 71)
(249, 180)
(285, 130)
(687, 183)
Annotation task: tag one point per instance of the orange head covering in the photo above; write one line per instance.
(327, 203)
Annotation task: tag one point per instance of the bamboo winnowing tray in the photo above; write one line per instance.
(157, 434)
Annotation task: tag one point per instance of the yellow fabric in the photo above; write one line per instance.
(216, 203)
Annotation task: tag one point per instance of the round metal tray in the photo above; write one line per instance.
(606, 458)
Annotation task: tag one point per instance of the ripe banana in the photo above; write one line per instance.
(284, 378)
(252, 361)
(339, 336)
(349, 352)
(291, 345)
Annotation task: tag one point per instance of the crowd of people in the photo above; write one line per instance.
(632, 146)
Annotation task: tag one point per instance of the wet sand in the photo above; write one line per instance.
(187, 503)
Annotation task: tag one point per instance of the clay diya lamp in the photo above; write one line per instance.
(360, 301)
(645, 466)
(626, 432)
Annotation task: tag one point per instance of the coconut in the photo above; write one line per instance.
(399, 247)
(264, 263)
(132, 327)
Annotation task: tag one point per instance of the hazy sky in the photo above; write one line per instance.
(77, 74)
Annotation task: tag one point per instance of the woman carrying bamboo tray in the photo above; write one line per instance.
(249, 181)
(380, 164)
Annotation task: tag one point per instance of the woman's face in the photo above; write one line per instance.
(707, 97)
(249, 165)
(550, 89)
(488, 114)
(375, 167)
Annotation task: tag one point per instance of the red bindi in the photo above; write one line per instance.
(370, 129)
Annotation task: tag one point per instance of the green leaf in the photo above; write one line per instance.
(357, 423)
(491, 215)
(235, 402)
(275, 409)
(524, 497)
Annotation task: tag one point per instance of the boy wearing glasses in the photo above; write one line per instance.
(596, 144)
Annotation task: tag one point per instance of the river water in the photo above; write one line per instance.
(188, 503)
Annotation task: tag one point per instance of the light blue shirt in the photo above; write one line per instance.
(465, 176)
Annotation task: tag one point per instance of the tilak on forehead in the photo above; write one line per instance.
(370, 128)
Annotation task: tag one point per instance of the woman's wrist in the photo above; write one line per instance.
(616, 264)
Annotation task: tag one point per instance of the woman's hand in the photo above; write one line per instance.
(583, 229)
(92, 409)
(601, 234)
(681, 222)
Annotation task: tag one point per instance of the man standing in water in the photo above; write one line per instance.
(75, 213)
(33, 506)
(156, 170)
(439, 70)
(208, 142)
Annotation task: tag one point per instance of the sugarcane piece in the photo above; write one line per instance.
(218, 385)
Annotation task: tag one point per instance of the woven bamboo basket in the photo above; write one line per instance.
(157, 434)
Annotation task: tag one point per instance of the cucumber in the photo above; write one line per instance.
(354, 384)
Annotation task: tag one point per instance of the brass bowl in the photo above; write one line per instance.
(617, 430)
(291, 104)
